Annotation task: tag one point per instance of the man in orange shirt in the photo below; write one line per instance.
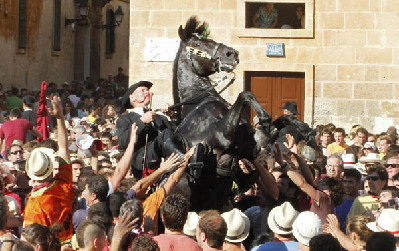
(51, 199)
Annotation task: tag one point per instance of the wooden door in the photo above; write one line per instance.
(273, 89)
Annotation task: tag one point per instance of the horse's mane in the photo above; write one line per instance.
(193, 26)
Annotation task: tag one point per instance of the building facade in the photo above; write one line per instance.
(37, 43)
(342, 67)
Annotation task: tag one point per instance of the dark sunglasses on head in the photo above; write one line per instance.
(373, 178)
(392, 165)
(15, 152)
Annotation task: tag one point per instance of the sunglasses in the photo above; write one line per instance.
(373, 178)
(15, 152)
(368, 148)
(392, 165)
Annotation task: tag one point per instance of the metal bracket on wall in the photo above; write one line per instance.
(5, 8)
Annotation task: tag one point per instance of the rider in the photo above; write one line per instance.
(155, 137)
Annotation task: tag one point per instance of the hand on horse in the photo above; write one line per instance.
(148, 117)
(291, 145)
(188, 155)
(169, 163)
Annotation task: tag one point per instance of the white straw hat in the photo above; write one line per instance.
(40, 163)
(388, 221)
(237, 225)
(281, 218)
(191, 224)
(84, 141)
(307, 225)
(349, 160)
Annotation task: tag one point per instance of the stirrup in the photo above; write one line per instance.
(195, 169)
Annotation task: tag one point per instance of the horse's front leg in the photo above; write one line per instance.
(227, 126)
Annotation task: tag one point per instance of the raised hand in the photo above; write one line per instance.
(133, 133)
(333, 225)
(57, 110)
(125, 225)
(291, 145)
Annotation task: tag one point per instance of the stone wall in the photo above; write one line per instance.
(110, 63)
(350, 59)
(38, 62)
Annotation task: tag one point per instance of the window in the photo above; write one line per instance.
(22, 25)
(57, 26)
(285, 18)
(110, 32)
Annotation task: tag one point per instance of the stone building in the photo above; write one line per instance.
(342, 67)
(37, 42)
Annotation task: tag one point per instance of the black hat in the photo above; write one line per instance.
(28, 100)
(291, 107)
(132, 88)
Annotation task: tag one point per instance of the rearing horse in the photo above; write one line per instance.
(205, 115)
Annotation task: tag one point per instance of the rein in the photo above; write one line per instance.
(205, 93)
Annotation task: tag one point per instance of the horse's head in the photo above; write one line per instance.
(206, 55)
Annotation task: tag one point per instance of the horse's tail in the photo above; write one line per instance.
(176, 97)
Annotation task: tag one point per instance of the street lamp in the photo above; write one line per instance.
(83, 12)
(119, 15)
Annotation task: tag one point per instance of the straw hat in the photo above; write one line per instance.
(349, 160)
(191, 224)
(370, 158)
(281, 218)
(307, 225)
(40, 163)
(84, 141)
(237, 225)
(388, 221)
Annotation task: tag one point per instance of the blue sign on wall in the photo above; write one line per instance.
(275, 50)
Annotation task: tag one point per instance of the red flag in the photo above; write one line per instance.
(42, 114)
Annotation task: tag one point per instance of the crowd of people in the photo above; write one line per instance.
(107, 178)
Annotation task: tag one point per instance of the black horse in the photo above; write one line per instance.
(206, 117)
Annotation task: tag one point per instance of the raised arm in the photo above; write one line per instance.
(333, 228)
(303, 167)
(176, 175)
(124, 164)
(267, 183)
(36, 132)
(56, 111)
(141, 186)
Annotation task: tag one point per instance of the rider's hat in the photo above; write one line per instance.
(132, 88)
(291, 107)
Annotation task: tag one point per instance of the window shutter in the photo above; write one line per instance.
(57, 26)
(110, 32)
(22, 25)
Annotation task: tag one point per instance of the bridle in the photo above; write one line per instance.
(191, 51)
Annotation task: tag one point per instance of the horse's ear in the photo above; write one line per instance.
(182, 34)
